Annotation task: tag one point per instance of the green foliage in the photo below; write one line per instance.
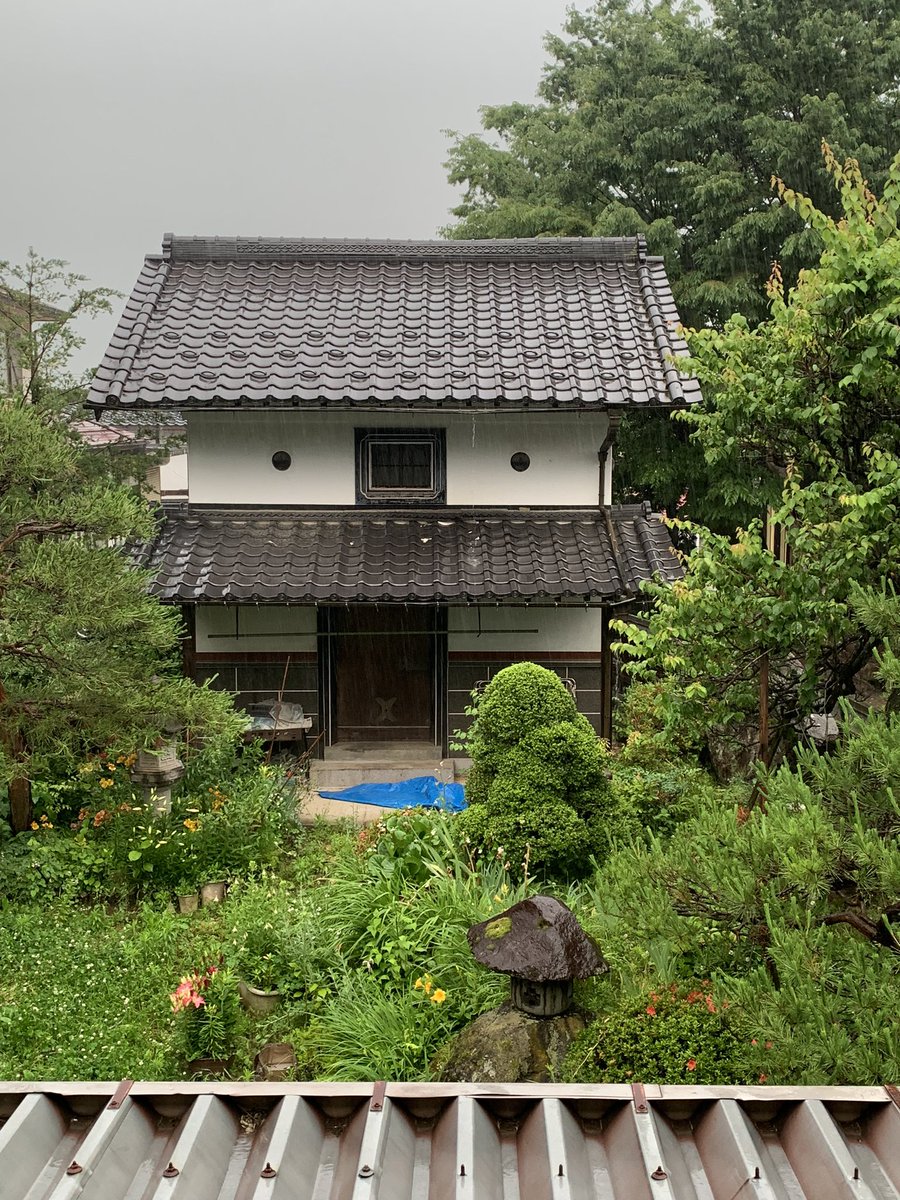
(120, 847)
(86, 994)
(260, 916)
(367, 1033)
(538, 790)
(670, 1035)
(518, 700)
(87, 658)
(39, 303)
(806, 417)
(790, 909)
(653, 119)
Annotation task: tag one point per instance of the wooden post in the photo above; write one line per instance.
(764, 708)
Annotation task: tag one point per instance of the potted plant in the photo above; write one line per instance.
(263, 966)
(207, 1014)
(188, 901)
(213, 891)
(260, 915)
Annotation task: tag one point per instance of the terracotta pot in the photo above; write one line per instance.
(188, 903)
(212, 893)
(258, 1000)
(275, 1061)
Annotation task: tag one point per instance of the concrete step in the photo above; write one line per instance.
(335, 775)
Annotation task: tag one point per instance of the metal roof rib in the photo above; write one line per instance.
(466, 1142)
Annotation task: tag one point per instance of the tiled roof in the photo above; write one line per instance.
(537, 322)
(353, 1141)
(209, 555)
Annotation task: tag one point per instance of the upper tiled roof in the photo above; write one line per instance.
(537, 322)
(407, 1141)
(286, 556)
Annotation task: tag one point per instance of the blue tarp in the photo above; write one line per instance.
(423, 791)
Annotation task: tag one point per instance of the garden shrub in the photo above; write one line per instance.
(538, 791)
(518, 700)
(671, 1035)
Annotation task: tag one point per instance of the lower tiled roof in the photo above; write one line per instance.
(288, 556)
(353, 1141)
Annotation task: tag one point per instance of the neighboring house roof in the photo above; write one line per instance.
(536, 322)
(288, 556)
(356, 1141)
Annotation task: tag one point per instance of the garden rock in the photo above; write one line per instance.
(508, 1046)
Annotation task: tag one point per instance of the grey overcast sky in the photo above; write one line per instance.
(123, 119)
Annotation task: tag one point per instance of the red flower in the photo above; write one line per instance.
(650, 1010)
(763, 1078)
(691, 1064)
(709, 1004)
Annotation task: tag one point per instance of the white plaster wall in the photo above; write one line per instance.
(508, 627)
(173, 475)
(230, 456)
(263, 627)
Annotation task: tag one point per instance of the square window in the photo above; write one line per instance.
(396, 466)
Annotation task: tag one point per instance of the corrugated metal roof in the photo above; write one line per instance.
(287, 556)
(440, 1142)
(532, 322)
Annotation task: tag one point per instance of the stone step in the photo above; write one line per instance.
(336, 774)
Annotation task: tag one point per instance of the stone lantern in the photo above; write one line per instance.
(156, 772)
(541, 946)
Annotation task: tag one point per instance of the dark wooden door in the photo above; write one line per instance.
(383, 663)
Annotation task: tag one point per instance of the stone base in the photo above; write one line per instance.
(507, 1046)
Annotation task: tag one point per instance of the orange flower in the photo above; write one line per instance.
(691, 1064)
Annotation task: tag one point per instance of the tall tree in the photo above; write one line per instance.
(655, 119)
(806, 417)
(87, 657)
(40, 303)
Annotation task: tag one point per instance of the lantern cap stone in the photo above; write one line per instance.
(538, 939)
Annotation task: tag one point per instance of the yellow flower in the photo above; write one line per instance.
(439, 996)
(418, 985)
(34, 825)
(107, 782)
(112, 766)
(191, 825)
